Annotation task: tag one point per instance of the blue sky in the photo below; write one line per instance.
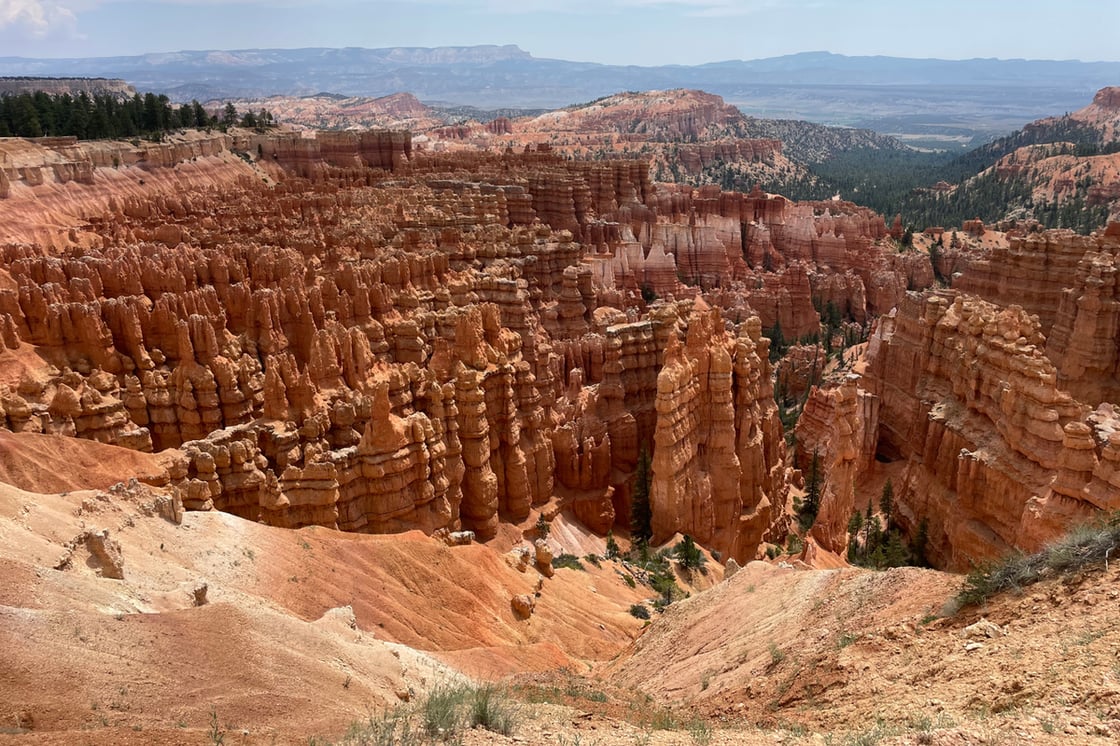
(641, 32)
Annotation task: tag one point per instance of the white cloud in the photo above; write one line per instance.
(39, 18)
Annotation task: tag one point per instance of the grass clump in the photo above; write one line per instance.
(440, 712)
(442, 717)
(700, 731)
(490, 708)
(390, 728)
(1087, 546)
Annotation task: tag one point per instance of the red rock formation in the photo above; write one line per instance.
(1070, 283)
(970, 401)
(695, 157)
(717, 444)
(839, 424)
(1108, 97)
(372, 338)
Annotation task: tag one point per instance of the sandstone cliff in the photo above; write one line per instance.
(718, 457)
(342, 330)
(999, 455)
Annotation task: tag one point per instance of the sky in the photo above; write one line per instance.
(638, 32)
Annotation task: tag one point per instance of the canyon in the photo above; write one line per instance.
(327, 385)
(394, 340)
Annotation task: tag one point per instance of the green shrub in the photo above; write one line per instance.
(794, 545)
(700, 731)
(440, 711)
(666, 586)
(688, 554)
(639, 611)
(613, 550)
(568, 560)
(391, 728)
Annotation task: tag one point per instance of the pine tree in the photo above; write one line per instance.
(26, 118)
(777, 341)
(811, 505)
(641, 515)
(201, 118)
(867, 516)
(229, 115)
(613, 550)
(894, 551)
(921, 541)
(855, 523)
(688, 554)
(886, 504)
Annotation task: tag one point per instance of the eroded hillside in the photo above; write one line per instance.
(341, 332)
(344, 335)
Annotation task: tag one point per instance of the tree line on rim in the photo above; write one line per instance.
(87, 117)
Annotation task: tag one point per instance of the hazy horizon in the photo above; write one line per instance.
(626, 32)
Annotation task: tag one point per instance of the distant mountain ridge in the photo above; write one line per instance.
(59, 86)
(985, 94)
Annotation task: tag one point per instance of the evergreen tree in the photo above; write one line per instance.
(201, 118)
(688, 554)
(100, 116)
(229, 115)
(613, 550)
(832, 317)
(886, 504)
(894, 551)
(777, 341)
(855, 523)
(641, 515)
(921, 542)
(867, 517)
(26, 120)
(811, 505)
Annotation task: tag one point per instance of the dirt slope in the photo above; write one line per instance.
(840, 650)
(301, 632)
(53, 463)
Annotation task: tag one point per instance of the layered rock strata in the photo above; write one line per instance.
(998, 455)
(718, 458)
(375, 339)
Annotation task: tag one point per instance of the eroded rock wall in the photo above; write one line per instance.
(998, 455)
(345, 331)
(718, 458)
